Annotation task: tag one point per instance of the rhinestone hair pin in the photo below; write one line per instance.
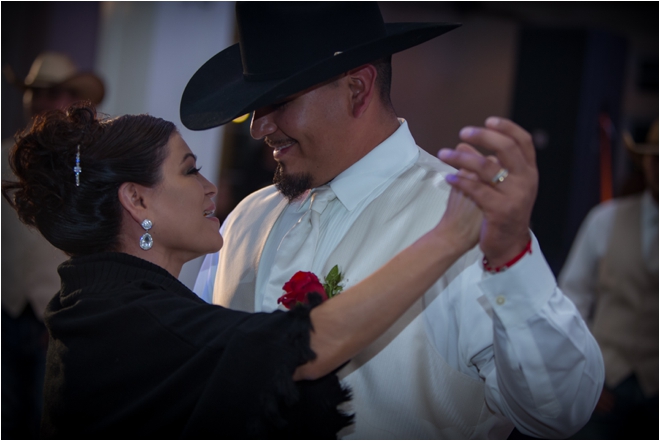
(77, 169)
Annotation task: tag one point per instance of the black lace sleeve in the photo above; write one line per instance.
(255, 377)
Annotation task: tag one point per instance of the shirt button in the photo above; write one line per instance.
(500, 300)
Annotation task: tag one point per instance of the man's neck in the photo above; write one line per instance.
(389, 126)
(374, 132)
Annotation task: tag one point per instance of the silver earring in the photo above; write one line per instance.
(146, 241)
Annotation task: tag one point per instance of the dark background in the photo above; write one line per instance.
(556, 68)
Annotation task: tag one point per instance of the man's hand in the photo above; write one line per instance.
(506, 203)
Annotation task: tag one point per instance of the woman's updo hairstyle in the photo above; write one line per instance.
(83, 219)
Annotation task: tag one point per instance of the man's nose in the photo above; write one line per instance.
(262, 124)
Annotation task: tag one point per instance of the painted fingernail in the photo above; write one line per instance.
(445, 153)
(451, 178)
(466, 132)
(492, 121)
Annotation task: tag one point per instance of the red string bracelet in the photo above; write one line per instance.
(499, 269)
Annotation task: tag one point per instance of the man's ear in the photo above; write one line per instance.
(131, 197)
(362, 83)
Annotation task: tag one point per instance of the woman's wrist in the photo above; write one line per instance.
(454, 241)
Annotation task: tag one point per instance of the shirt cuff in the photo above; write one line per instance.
(521, 291)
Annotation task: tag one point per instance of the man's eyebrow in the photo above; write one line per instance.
(187, 155)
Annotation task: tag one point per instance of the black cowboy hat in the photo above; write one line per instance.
(287, 47)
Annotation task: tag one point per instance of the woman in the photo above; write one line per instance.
(133, 352)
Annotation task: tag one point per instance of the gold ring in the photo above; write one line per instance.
(500, 176)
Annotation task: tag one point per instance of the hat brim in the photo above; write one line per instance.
(85, 85)
(218, 92)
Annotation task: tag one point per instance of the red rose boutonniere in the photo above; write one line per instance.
(303, 283)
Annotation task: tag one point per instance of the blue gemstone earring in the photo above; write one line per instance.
(146, 241)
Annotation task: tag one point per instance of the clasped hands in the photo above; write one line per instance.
(503, 185)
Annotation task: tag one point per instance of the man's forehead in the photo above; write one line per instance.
(280, 101)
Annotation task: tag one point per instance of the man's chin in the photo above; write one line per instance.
(291, 185)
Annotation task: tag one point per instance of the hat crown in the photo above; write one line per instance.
(278, 38)
(50, 68)
(287, 47)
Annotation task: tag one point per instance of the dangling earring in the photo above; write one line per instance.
(146, 241)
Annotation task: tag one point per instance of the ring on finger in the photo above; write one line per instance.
(500, 176)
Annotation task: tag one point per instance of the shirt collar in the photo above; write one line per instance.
(385, 161)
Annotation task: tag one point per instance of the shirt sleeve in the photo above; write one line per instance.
(544, 370)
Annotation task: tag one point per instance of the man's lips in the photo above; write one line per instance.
(281, 148)
(279, 145)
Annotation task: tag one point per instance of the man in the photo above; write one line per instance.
(54, 82)
(611, 275)
(29, 262)
(485, 348)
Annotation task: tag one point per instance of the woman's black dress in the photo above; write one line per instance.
(133, 353)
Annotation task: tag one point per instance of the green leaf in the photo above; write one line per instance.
(334, 276)
(332, 284)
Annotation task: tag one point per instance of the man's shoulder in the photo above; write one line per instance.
(600, 218)
(426, 172)
(261, 198)
(419, 193)
(254, 209)
(431, 163)
(609, 208)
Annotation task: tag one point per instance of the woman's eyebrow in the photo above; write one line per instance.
(188, 155)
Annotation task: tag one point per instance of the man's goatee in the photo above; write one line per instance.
(291, 186)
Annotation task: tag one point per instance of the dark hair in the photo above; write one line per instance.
(83, 219)
(384, 79)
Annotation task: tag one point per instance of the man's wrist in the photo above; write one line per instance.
(494, 269)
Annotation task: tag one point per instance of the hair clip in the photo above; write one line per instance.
(77, 169)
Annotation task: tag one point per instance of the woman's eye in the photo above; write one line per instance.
(194, 170)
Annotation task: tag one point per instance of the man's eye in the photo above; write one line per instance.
(281, 105)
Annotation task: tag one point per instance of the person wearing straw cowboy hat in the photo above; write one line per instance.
(54, 82)
(29, 262)
(611, 275)
(485, 349)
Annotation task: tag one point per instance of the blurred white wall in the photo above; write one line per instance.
(148, 51)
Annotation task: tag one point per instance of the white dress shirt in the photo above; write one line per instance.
(513, 334)
(580, 272)
(611, 275)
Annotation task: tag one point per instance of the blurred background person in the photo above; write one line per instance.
(611, 275)
(54, 82)
(29, 262)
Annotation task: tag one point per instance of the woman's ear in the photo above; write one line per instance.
(131, 197)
